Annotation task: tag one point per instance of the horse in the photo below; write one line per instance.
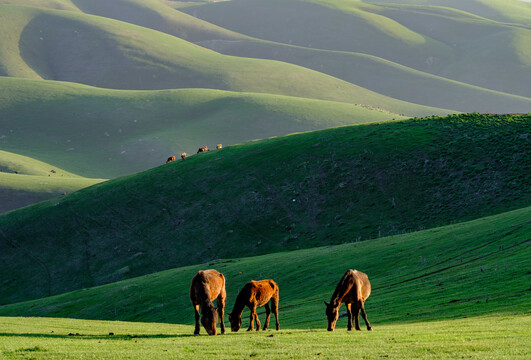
(353, 289)
(170, 159)
(252, 295)
(202, 149)
(206, 286)
(183, 156)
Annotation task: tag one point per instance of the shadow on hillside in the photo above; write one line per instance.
(95, 337)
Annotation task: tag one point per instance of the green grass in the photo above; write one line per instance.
(24, 181)
(299, 191)
(106, 133)
(477, 338)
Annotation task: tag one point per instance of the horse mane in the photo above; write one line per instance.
(343, 287)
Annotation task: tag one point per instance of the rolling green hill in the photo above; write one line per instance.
(25, 181)
(441, 41)
(466, 270)
(382, 76)
(299, 191)
(107, 133)
(499, 10)
(67, 46)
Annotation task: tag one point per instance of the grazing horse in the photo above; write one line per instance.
(170, 159)
(183, 156)
(254, 294)
(208, 285)
(219, 146)
(202, 149)
(353, 289)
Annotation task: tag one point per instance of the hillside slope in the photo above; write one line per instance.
(516, 11)
(67, 46)
(441, 41)
(465, 270)
(107, 133)
(299, 191)
(25, 181)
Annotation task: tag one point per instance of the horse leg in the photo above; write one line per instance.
(274, 307)
(253, 312)
(197, 326)
(268, 315)
(349, 316)
(364, 314)
(357, 308)
(221, 311)
(257, 320)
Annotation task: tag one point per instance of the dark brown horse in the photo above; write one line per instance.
(202, 149)
(254, 294)
(170, 159)
(353, 289)
(208, 285)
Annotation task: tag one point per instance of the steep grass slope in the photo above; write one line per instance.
(299, 191)
(441, 41)
(106, 133)
(64, 45)
(466, 270)
(25, 181)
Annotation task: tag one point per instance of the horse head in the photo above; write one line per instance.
(235, 322)
(332, 314)
(209, 319)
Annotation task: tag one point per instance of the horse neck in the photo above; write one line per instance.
(336, 300)
(239, 305)
(207, 304)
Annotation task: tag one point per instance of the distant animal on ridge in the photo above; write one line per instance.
(252, 295)
(353, 289)
(207, 286)
(202, 149)
(219, 146)
(170, 159)
(183, 156)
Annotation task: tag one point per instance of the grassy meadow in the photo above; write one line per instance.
(453, 292)
(471, 338)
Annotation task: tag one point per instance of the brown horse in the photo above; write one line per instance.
(254, 294)
(202, 149)
(208, 285)
(353, 289)
(170, 159)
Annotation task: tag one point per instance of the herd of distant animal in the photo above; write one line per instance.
(208, 285)
(200, 150)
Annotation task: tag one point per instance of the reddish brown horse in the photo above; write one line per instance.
(254, 294)
(170, 159)
(208, 285)
(353, 289)
(202, 149)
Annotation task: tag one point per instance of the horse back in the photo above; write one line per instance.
(354, 286)
(207, 284)
(262, 291)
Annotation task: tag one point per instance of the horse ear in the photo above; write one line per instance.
(327, 304)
